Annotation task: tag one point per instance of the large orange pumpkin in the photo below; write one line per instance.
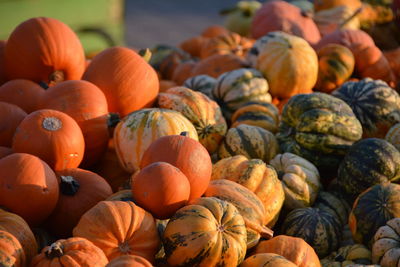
(129, 261)
(44, 50)
(127, 80)
(11, 117)
(11, 252)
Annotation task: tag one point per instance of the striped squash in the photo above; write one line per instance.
(330, 203)
(267, 260)
(248, 204)
(375, 104)
(258, 177)
(372, 209)
(250, 141)
(203, 113)
(368, 162)
(11, 252)
(318, 228)
(237, 87)
(201, 83)
(300, 180)
(264, 115)
(318, 127)
(352, 254)
(207, 232)
(385, 249)
(393, 136)
(135, 132)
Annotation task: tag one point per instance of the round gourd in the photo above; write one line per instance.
(201, 83)
(267, 260)
(334, 205)
(11, 251)
(11, 117)
(352, 254)
(216, 65)
(385, 248)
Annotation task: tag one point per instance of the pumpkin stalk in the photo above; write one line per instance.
(185, 133)
(55, 250)
(145, 54)
(56, 77)
(69, 186)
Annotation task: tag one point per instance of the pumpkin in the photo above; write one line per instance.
(161, 189)
(43, 238)
(327, 4)
(201, 83)
(3, 78)
(135, 132)
(386, 244)
(372, 209)
(129, 261)
(320, 229)
(235, 88)
(250, 141)
(11, 251)
(394, 60)
(334, 205)
(168, 61)
(216, 65)
(79, 191)
(203, 113)
(5, 151)
(183, 71)
(339, 17)
(318, 127)
(267, 260)
(214, 30)
(120, 228)
(207, 232)
(44, 50)
(368, 162)
(300, 180)
(188, 155)
(335, 66)
(259, 178)
(376, 105)
(288, 62)
(264, 115)
(23, 178)
(16, 226)
(229, 43)
(53, 136)
(283, 16)
(248, 204)
(87, 105)
(121, 195)
(126, 79)
(193, 45)
(166, 84)
(292, 248)
(74, 251)
(23, 93)
(352, 254)
(392, 136)
(11, 117)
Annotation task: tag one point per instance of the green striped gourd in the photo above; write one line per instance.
(235, 88)
(205, 114)
(352, 254)
(368, 162)
(201, 83)
(258, 177)
(318, 127)
(385, 249)
(318, 228)
(330, 203)
(393, 136)
(372, 209)
(207, 232)
(135, 132)
(375, 104)
(300, 180)
(250, 141)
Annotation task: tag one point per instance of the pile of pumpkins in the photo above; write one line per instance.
(273, 141)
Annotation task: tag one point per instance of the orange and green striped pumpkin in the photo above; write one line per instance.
(205, 114)
(11, 251)
(135, 132)
(201, 83)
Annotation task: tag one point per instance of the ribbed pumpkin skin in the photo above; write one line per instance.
(201, 83)
(318, 228)
(252, 142)
(207, 232)
(372, 209)
(267, 260)
(335, 66)
(352, 254)
(129, 261)
(203, 113)
(11, 251)
(319, 128)
(228, 43)
(135, 132)
(300, 180)
(248, 204)
(336, 206)
(264, 115)
(256, 176)
(289, 64)
(376, 105)
(368, 162)
(386, 244)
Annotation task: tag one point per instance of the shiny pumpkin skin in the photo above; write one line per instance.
(319, 128)
(267, 260)
(205, 114)
(386, 244)
(368, 162)
(201, 83)
(252, 142)
(335, 66)
(207, 232)
(376, 105)
(351, 254)
(372, 209)
(11, 252)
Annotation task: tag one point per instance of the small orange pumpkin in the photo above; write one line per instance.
(193, 45)
(214, 30)
(217, 64)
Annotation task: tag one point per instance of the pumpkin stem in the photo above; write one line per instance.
(145, 54)
(113, 119)
(51, 124)
(56, 77)
(69, 186)
(55, 250)
(185, 133)
(44, 85)
(124, 247)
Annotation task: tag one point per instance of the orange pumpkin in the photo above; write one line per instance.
(267, 260)
(51, 135)
(127, 80)
(44, 50)
(328, 4)
(229, 43)
(217, 64)
(193, 45)
(129, 261)
(23, 93)
(11, 252)
(214, 30)
(28, 187)
(11, 117)
(183, 71)
(3, 78)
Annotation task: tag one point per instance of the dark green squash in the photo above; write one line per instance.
(330, 203)
(201, 83)
(352, 254)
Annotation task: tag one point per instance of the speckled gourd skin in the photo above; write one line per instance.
(386, 246)
(352, 254)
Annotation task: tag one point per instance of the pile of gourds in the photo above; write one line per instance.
(273, 141)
